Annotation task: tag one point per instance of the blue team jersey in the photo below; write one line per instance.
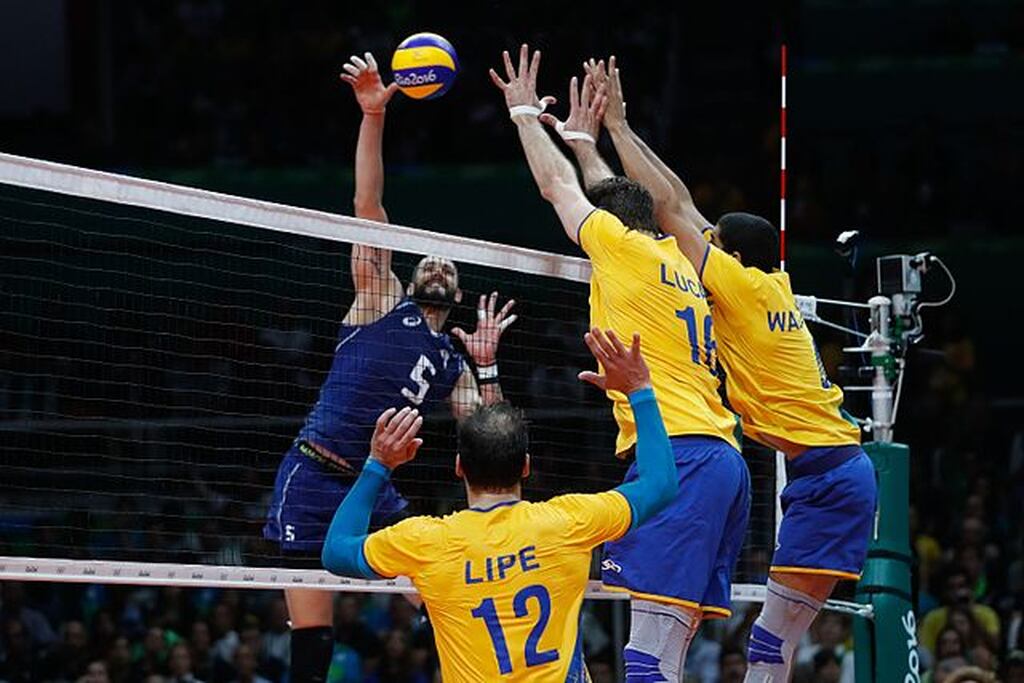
(394, 362)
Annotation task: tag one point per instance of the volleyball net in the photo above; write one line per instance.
(161, 346)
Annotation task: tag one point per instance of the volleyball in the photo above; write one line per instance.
(424, 65)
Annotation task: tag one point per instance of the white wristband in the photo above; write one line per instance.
(487, 371)
(529, 109)
(568, 135)
(524, 110)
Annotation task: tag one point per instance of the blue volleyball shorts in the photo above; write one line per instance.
(306, 496)
(828, 513)
(685, 554)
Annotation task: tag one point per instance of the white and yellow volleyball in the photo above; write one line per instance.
(425, 65)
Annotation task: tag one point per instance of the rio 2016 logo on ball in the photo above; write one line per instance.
(425, 65)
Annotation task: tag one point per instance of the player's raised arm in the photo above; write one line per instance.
(555, 176)
(378, 290)
(625, 371)
(581, 129)
(673, 202)
(394, 443)
(482, 346)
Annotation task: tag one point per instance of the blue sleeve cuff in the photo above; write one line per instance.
(640, 396)
(377, 468)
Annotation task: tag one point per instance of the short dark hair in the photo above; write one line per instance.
(628, 200)
(755, 238)
(493, 441)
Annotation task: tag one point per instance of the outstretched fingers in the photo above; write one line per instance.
(410, 428)
(599, 346)
(534, 67)
(593, 378)
(524, 60)
(496, 79)
(618, 348)
(385, 417)
(506, 308)
(403, 426)
(587, 92)
(510, 72)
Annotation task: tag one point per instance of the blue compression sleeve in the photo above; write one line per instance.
(656, 484)
(343, 548)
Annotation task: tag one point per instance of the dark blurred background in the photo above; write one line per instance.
(906, 121)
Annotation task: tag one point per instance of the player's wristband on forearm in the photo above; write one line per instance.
(487, 374)
(377, 468)
(571, 135)
(525, 110)
(641, 396)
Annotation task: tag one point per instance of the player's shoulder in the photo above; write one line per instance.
(421, 529)
(720, 263)
(602, 224)
(570, 505)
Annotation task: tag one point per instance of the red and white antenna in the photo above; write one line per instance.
(780, 457)
(782, 167)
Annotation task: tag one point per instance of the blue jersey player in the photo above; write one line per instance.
(390, 353)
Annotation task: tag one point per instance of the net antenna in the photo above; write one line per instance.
(782, 161)
(780, 457)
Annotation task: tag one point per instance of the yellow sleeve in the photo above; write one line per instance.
(403, 549)
(600, 234)
(592, 519)
(729, 283)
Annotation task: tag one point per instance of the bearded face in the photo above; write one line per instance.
(435, 283)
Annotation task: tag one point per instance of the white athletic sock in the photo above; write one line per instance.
(659, 636)
(786, 616)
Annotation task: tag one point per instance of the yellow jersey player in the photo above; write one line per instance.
(678, 566)
(776, 382)
(503, 580)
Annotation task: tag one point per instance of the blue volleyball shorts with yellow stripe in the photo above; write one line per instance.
(828, 513)
(685, 554)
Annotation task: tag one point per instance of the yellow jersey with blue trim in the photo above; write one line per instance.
(640, 283)
(503, 585)
(775, 379)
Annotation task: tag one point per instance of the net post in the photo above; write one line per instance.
(886, 646)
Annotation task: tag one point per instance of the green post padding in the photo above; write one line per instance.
(886, 646)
